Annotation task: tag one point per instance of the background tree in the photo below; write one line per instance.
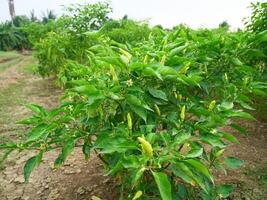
(89, 17)
(49, 15)
(258, 20)
(33, 17)
(11, 9)
(225, 25)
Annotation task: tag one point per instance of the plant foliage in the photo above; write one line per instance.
(151, 106)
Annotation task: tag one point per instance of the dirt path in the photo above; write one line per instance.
(78, 180)
(75, 180)
(251, 179)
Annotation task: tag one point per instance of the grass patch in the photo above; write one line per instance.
(9, 63)
(30, 69)
(10, 97)
(30, 66)
(8, 59)
(7, 55)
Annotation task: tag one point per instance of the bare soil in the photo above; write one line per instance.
(251, 179)
(78, 179)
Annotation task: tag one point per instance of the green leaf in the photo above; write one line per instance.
(163, 185)
(200, 167)
(95, 99)
(182, 171)
(37, 132)
(195, 153)
(140, 111)
(133, 100)
(115, 169)
(229, 137)
(37, 109)
(246, 105)
(239, 128)
(233, 162)
(67, 149)
(55, 112)
(86, 149)
(130, 161)
(182, 137)
(148, 71)
(165, 71)
(108, 144)
(226, 105)
(213, 140)
(177, 50)
(237, 62)
(224, 191)
(243, 115)
(86, 89)
(158, 94)
(31, 164)
(30, 121)
(114, 96)
(137, 175)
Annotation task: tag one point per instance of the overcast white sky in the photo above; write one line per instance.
(195, 13)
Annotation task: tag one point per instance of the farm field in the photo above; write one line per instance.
(93, 107)
(78, 179)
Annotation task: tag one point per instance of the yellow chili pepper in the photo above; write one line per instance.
(225, 77)
(146, 147)
(137, 195)
(125, 53)
(175, 95)
(146, 59)
(129, 120)
(163, 59)
(157, 109)
(165, 42)
(212, 105)
(182, 114)
(113, 73)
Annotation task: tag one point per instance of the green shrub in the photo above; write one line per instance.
(151, 103)
(258, 19)
(57, 48)
(153, 114)
(87, 17)
(125, 31)
(257, 24)
(12, 38)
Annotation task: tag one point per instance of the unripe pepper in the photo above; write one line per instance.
(146, 147)
(212, 105)
(113, 73)
(157, 109)
(163, 59)
(146, 59)
(226, 77)
(129, 121)
(182, 114)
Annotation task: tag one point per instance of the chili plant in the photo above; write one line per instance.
(155, 126)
